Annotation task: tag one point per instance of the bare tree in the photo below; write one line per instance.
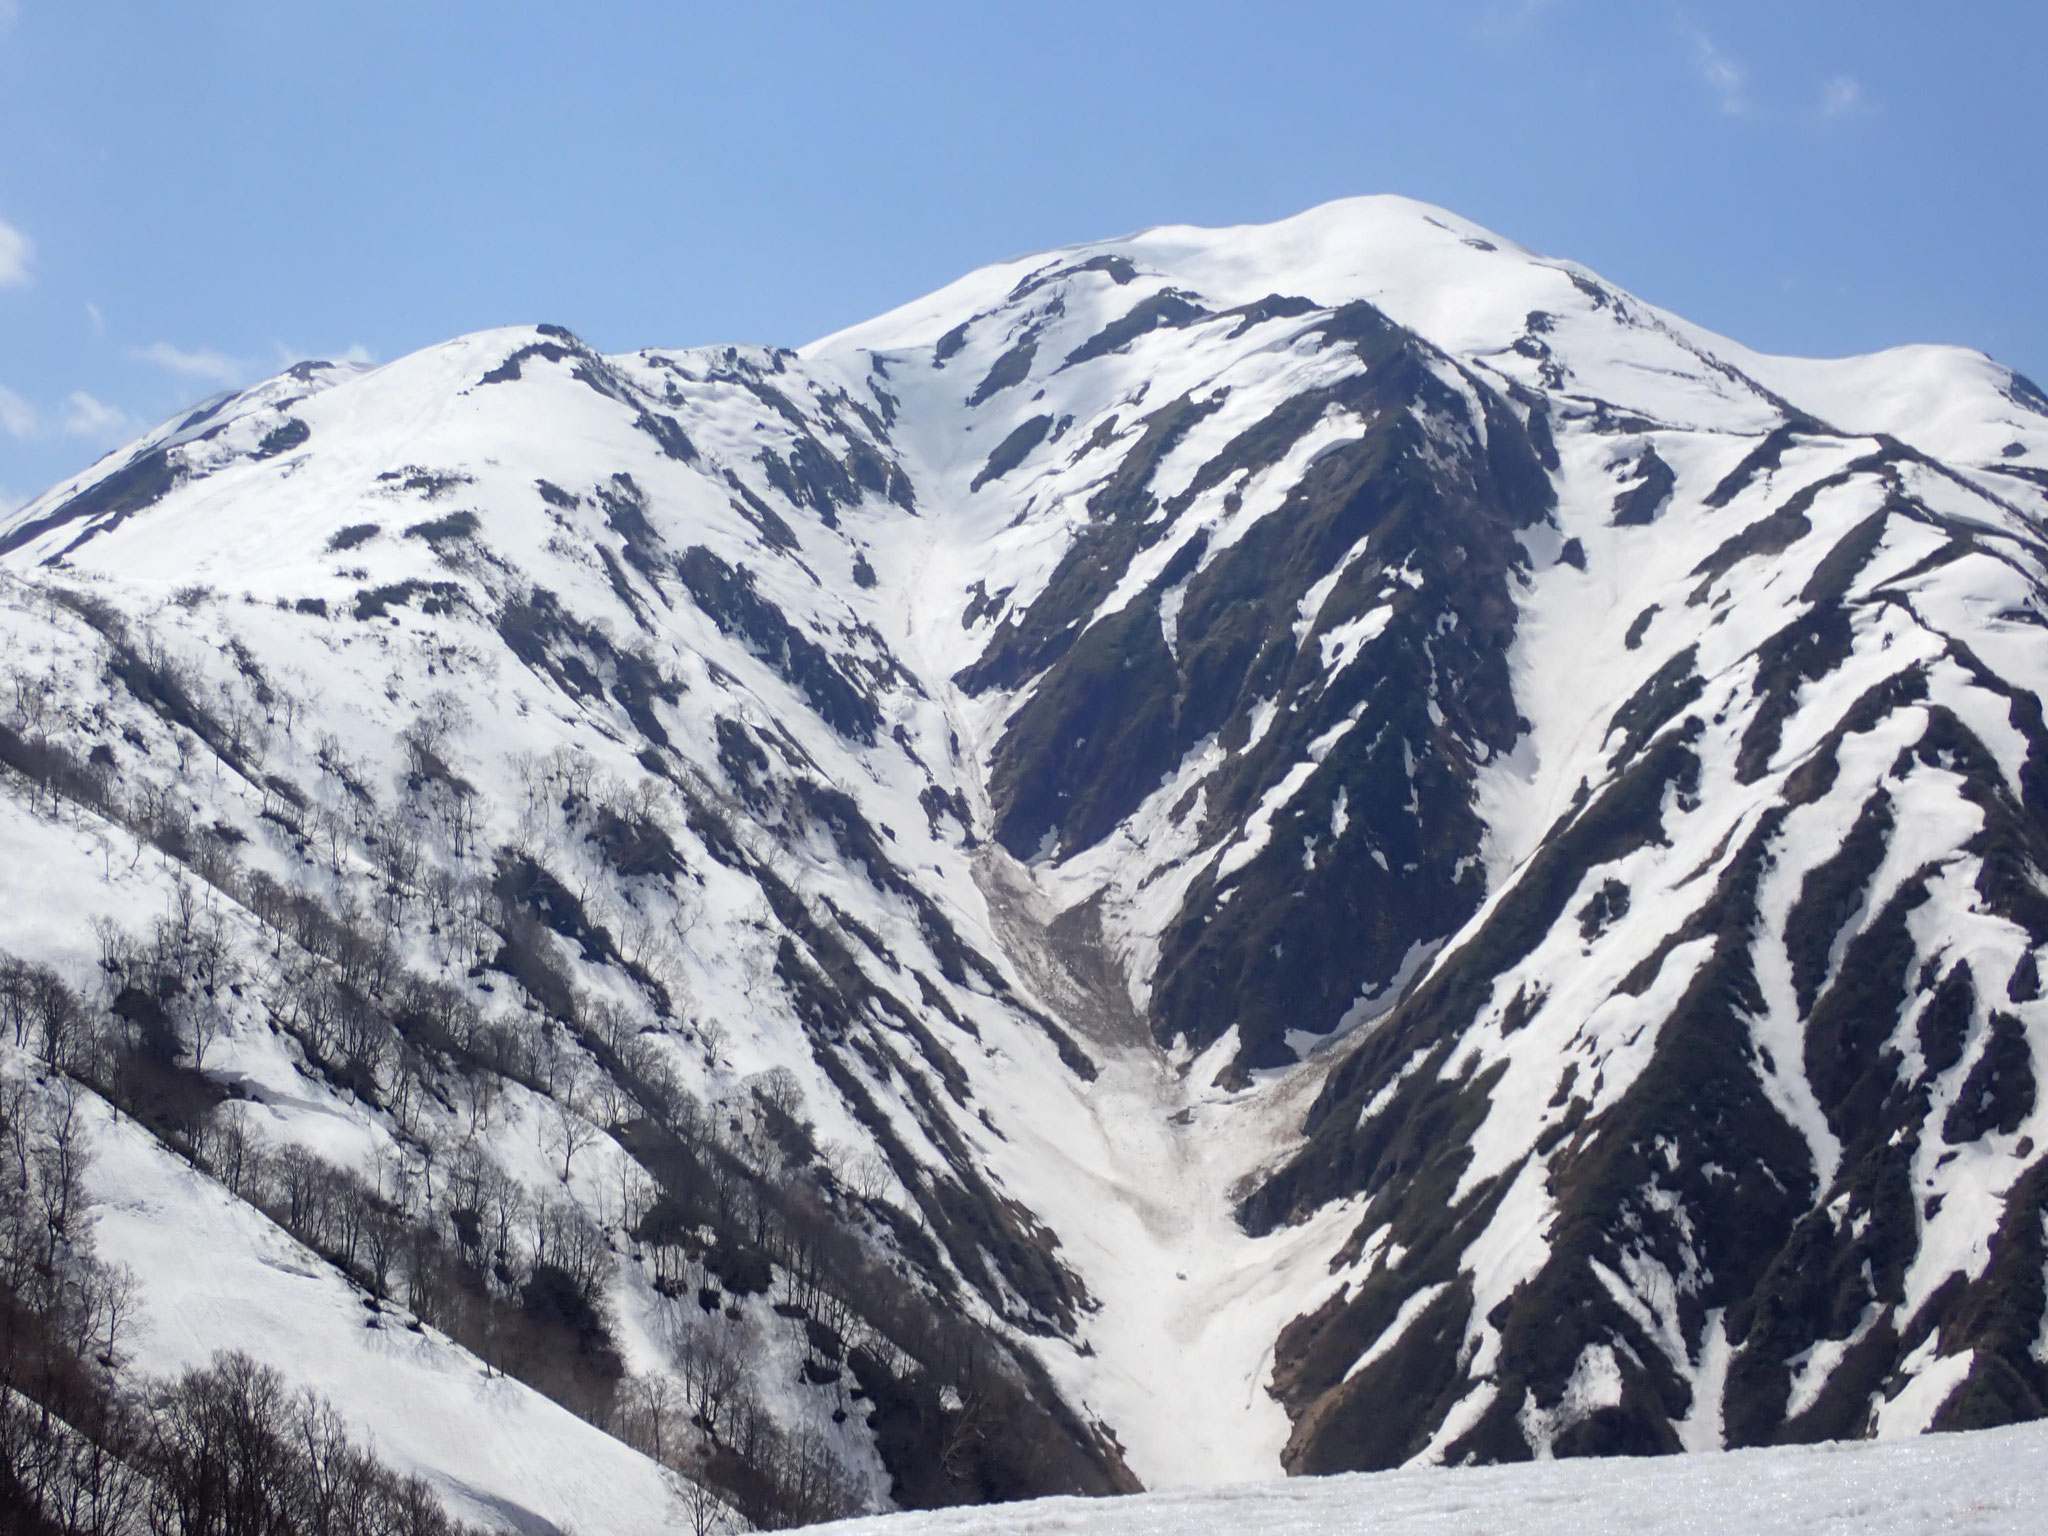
(700, 1511)
(565, 1125)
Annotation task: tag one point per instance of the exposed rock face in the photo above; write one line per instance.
(1336, 843)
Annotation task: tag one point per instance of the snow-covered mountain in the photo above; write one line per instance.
(1305, 847)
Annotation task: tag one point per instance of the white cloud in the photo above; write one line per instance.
(1719, 73)
(85, 416)
(201, 363)
(17, 417)
(1840, 96)
(16, 249)
(95, 319)
(358, 354)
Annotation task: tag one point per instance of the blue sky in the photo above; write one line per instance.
(193, 194)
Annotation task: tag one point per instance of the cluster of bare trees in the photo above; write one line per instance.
(39, 1013)
(225, 1450)
(230, 1449)
(524, 1282)
(521, 1279)
(220, 1452)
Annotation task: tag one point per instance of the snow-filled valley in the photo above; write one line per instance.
(1308, 848)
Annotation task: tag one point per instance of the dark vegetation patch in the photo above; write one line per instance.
(983, 604)
(668, 436)
(1009, 370)
(1998, 1318)
(430, 484)
(1847, 1031)
(1118, 269)
(1998, 1095)
(1638, 627)
(634, 845)
(1674, 688)
(1025, 644)
(283, 438)
(1832, 894)
(949, 345)
(548, 351)
(442, 530)
(776, 533)
(1339, 1432)
(1274, 306)
(1606, 907)
(1804, 651)
(1166, 309)
(1764, 458)
(625, 511)
(1841, 565)
(583, 662)
(727, 594)
(1639, 505)
(1095, 740)
(2025, 983)
(1627, 815)
(746, 765)
(137, 485)
(1013, 450)
(433, 597)
(1737, 1180)
(350, 537)
(1781, 529)
(811, 477)
(1770, 535)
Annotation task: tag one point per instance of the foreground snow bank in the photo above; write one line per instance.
(1989, 1482)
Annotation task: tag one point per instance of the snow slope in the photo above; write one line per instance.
(1981, 1483)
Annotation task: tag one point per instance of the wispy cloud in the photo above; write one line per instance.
(82, 415)
(10, 12)
(1720, 73)
(17, 417)
(1841, 96)
(85, 416)
(95, 319)
(16, 251)
(202, 363)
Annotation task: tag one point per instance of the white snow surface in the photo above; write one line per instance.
(1984, 1484)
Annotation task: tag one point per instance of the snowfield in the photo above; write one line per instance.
(1984, 1484)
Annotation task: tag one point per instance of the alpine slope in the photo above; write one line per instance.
(1297, 848)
